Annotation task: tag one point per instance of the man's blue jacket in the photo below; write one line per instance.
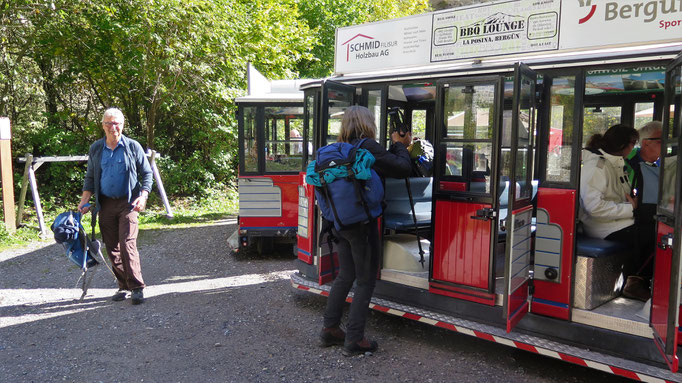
(139, 171)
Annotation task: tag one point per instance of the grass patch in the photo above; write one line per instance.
(186, 212)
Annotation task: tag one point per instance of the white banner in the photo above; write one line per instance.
(591, 23)
(395, 43)
(505, 28)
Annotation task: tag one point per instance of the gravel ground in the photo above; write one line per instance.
(215, 317)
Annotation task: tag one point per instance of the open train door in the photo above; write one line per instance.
(465, 194)
(336, 97)
(517, 159)
(666, 287)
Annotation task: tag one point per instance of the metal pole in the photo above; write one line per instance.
(157, 176)
(36, 200)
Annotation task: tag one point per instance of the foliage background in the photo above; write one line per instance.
(173, 66)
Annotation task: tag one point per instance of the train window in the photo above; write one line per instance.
(644, 112)
(562, 99)
(469, 112)
(469, 118)
(374, 106)
(310, 113)
(250, 145)
(526, 130)
(419, 123)
(283, 139)
(597, 119)
(671, 150)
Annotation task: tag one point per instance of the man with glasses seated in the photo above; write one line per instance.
(120, 178)
(642, 166)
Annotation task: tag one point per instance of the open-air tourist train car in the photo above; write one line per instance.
(509, 93)
(272, 149)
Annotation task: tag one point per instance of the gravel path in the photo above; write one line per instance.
(215, 317)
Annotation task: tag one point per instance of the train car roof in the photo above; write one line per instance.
(262, 90)
(544, 60)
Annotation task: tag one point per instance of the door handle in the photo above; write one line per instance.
(666, 242)
(484, 214)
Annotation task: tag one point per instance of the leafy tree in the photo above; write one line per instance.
(173, 66)
(324, 16)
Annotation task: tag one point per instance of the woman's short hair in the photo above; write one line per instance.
(616, 138)
(357, 122)
(113, 112)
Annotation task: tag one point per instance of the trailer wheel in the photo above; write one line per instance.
(265, 245)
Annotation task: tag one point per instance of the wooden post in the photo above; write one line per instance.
(24, 188)
(6, 174)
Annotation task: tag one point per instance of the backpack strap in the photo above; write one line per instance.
(326, 228)
(356, 182)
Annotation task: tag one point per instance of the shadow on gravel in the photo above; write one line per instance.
(184, 219)
(279, 251)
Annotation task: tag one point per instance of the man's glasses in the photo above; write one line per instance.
(653, 139)
(111, 123)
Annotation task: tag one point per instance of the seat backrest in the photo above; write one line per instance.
(398, 201)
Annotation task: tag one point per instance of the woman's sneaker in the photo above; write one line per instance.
(360, 347)
(330, 336)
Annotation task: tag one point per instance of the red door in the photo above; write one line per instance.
(665, 299)
(465, 191)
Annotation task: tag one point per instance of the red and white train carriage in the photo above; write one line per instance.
(508, 93)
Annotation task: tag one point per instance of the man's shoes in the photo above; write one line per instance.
(637, 287)
(360, 347)
(330, 336)
(137, 296)
(120, 295)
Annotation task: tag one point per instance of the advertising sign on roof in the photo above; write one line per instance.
(505, 28)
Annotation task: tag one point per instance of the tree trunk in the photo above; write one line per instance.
(47, 70)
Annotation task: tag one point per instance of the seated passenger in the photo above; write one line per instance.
(606, 204)
(643, 168)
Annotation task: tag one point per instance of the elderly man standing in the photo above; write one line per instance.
(642, 166)
(120, 178)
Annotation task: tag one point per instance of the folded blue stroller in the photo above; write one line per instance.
(69, 232)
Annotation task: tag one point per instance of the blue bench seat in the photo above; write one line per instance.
(398, 212)
(598, 271)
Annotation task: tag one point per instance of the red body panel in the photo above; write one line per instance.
(462, 293)
(660, 299)
(288, 184)
(453, 186)
(461, 251)
(517, 306)
(550, 298)
(305, 244)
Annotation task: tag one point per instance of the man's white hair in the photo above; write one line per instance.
(113, 112)
(649, 129)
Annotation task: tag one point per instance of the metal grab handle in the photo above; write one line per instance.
(484, 214)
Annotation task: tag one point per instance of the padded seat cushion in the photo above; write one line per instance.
(596, 247)
(405, 221)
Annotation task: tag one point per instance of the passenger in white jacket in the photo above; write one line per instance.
(606, 203)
